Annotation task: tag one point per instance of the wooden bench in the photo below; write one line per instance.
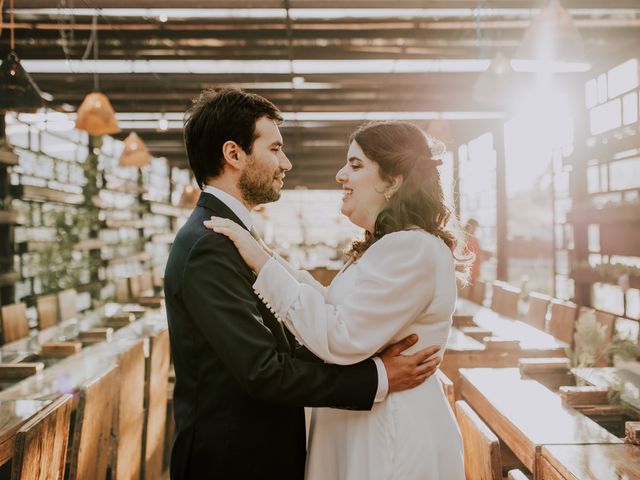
(121, 290)
(157, 380)
(41, 443)
(590, 462)
(478, 292)
(129, 420)
(67, 305)
(562, 320)
(91, 440)
(47, 308)
(447, 386)
(15, 324)
(526, 416)
(481, 447)
(538, 308)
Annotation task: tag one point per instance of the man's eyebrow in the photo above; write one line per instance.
(277, 144)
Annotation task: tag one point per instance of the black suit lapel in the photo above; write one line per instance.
(220, 209)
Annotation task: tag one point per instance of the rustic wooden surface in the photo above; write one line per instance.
(584, 395)
(13, 414)
(466, 352)
(91, 440)
(15, 324)
(481, 446)
(591, 462)
(626, 382)
(526, 415)
(41, 443)
(18, 371)
(67, 304)
(632, 432)
(156, 404)
(60, 349)
(537, 313)
(447, 386)
(47, 308)
(562, 320)
(128, 425)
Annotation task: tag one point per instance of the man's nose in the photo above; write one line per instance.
(285, 164)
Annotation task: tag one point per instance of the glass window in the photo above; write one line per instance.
(623, 78)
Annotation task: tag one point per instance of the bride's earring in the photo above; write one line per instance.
(387, 196)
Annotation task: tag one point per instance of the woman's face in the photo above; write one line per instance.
(363, 188)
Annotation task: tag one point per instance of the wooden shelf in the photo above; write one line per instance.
(133, 223)
(164, 238)
(125, 187)
(9, 278)
(134, 257)
(604, 151)
(30, 192)
(587, 275)
(611, 214)
(167, 210)
(7, 157)
(8, 217)
(91, 244)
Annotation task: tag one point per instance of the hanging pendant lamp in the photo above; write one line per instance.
(552, 36)
(18, 91)
(494, 83)
(96, 116)
(135, 153)
(189, 197)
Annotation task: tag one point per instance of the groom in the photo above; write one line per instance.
(241, 381)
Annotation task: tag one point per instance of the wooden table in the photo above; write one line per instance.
(13, 414)
(625, 381)
(465, 352)
(590, 462)
(69, 373)
(526, 415)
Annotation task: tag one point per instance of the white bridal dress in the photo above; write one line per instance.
(403, 284)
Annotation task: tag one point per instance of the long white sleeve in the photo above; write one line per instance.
(396, 282)
(301, 276)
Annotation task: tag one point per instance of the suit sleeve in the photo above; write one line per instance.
(217, 291)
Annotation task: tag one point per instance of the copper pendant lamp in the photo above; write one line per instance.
(96, 115)
(135, 153)
(189, 197)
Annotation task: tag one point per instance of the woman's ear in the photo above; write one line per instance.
(394, 185)
(233, 155)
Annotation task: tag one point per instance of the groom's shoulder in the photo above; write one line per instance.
(194, 234)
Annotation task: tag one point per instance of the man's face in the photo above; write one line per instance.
(263, 176)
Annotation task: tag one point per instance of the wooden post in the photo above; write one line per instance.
(7, 241)
(502, 252)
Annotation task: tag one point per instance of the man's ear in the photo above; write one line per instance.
(234, 156)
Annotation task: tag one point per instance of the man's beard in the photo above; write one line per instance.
(257, 186)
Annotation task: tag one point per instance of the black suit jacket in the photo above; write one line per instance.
(240, 382)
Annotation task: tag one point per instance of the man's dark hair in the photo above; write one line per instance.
(217, 117)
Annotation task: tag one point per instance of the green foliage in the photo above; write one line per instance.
(625, 349)
(589, 337)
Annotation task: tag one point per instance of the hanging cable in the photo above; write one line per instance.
(13, 39)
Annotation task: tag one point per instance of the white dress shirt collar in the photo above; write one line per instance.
(233, 203)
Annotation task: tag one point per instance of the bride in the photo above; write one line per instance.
(400, 279)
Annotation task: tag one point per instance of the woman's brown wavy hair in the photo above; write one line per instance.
(400, 148)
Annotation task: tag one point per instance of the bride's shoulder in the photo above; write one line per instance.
(410, 242)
